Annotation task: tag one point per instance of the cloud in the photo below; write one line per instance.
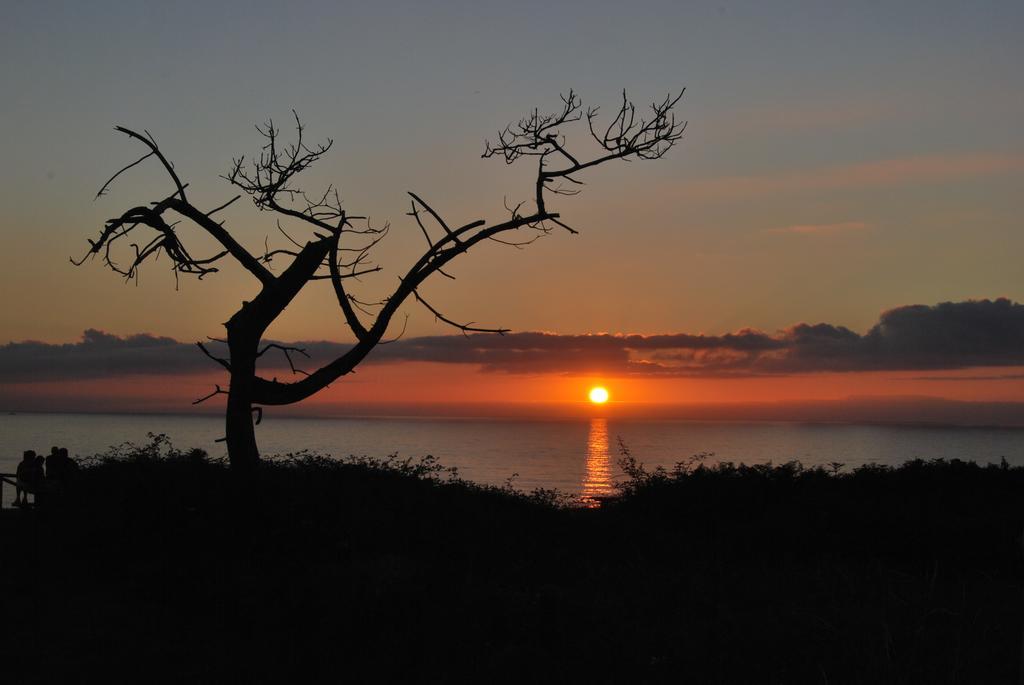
(878, 173)
(975, 377)
(951, 335)
(98, 355)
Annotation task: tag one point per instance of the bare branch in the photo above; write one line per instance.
(217, 391)
(287, 350)
(351, 274)
(565, 226)
(241, 255)
(268, 178)
(430, 210)
(466, 328)
(290, 239)
(344, 300)
(106, 185)
(340, 244)
(415, 214)
(150, 142)
(223, 206)
(364, 307)
(519, 245)
(166, 240)
(625, 137)
(398, 337)
(223, 362)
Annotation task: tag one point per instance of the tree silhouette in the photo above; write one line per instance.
(340, 243)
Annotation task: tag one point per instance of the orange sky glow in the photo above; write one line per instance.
(828, 228)
(444, 390)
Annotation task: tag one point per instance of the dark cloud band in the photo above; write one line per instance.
(951, 335)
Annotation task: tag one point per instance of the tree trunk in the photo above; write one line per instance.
(243, 452)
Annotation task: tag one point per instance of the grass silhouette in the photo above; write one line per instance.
(162, 564)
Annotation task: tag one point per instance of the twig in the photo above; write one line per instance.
(465, 328)
(217, 391)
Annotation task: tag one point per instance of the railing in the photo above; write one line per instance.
(46, 487)
(12, 479)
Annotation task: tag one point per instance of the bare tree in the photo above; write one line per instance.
(339, 245)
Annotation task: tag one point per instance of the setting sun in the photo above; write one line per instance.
(598, 395)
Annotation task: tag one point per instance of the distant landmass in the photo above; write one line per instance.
(864, 409)
(854, 410)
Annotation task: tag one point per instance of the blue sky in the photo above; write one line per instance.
(795, 109)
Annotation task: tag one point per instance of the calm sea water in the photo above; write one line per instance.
(576, 456)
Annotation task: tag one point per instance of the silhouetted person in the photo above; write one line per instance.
(70, 465)
(39, 479)
(51, 461)
(59, 468)
(25, 478)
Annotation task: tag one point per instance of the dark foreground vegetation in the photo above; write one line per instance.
(162, 565)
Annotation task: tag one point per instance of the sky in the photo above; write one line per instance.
(848, 189)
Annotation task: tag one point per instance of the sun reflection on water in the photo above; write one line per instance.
(597, 481)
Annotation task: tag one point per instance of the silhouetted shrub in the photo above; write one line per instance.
(164, 564)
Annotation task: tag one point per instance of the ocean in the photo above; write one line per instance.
(576, 456)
